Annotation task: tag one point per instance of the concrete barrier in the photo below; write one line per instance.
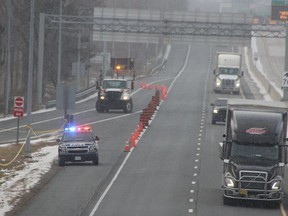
(261, 78)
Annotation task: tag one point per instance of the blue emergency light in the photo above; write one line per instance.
(78, 129)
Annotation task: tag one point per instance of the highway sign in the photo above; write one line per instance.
(19, 102)
(285, 79)
(279, 10)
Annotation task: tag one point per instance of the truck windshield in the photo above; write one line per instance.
(228, 71)
(114, 84)
(255, 151)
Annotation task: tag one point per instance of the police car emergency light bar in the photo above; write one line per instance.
(78, 129)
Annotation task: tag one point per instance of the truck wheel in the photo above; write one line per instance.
(99, 108)
(61, 162)
(128, 107)
(95, 161)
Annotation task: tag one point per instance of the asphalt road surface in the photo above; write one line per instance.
(174, 170)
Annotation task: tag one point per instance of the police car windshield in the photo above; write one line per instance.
(114, 84)
(79, 136)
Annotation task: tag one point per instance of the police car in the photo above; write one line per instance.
(78, 144)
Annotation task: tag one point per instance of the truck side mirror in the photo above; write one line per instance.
(214, 72)
(132, 85)
(97, 138)
(242, 73)
(221, 154)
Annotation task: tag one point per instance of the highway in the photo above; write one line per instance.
(174, 170)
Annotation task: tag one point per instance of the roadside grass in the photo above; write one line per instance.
(8, 153)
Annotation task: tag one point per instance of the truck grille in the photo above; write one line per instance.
(112, 96)
(228, 83)
(253, 180)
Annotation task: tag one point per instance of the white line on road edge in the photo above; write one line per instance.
(128, 155)
(111, 183)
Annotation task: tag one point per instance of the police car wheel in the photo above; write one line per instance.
(61, 162)
(95, 161)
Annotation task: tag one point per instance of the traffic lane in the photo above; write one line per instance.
(53, 120)
(71, 189)
(209, 182)
(157, 177)
(113, 135)
(209, 200)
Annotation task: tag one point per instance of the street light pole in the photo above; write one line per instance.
(30, 83)
(8, 62)
(59, 46)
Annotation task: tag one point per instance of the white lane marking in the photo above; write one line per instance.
(129, 153)
(111, 183)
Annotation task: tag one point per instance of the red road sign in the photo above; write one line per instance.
(19, 102)
(18, 112)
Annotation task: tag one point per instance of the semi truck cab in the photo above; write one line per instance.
(254, 151)
(227, 74)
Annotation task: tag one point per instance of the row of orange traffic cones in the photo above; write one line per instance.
(145, 118)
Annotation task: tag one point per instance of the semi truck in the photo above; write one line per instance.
(228, 73)
(254, 151)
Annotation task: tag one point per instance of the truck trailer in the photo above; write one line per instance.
(228, 73)
(254, 151)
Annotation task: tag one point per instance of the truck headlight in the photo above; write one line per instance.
(215, 110)
(102, 97)
(218, 82)
(229, 182)
(237, 83)
(125, 96)
(276, 185)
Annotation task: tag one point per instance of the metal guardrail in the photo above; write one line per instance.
(79, 96)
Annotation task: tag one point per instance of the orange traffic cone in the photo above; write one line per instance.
(133, 140)
(156, 87)
(127, 147)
